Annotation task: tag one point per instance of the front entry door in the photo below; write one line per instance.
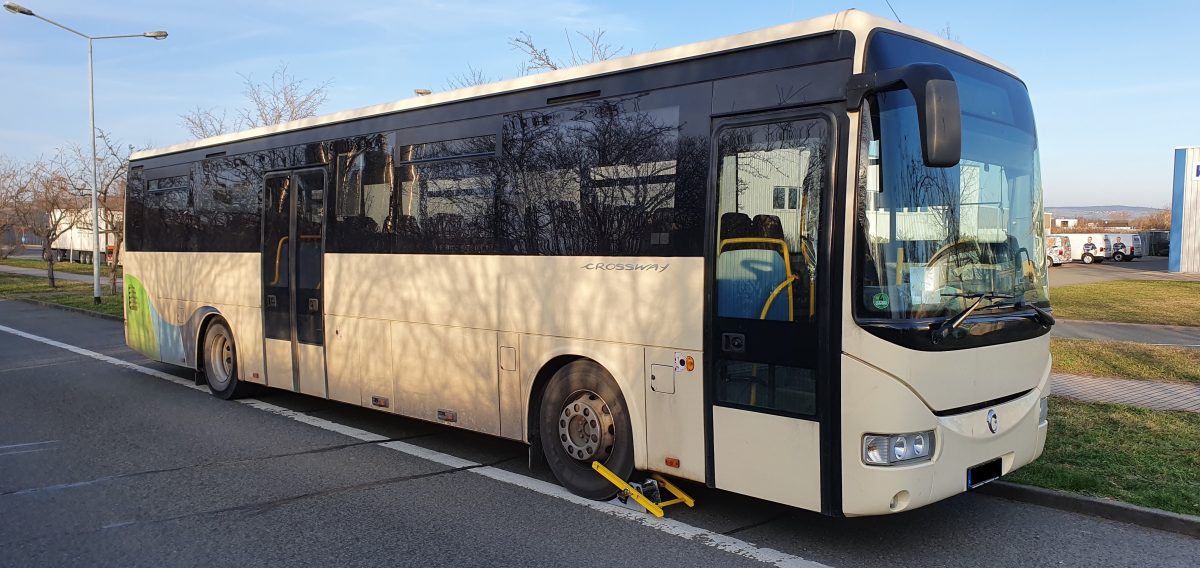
(292, 274)
(772, 175)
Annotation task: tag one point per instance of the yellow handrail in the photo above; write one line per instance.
(767, 306)
(279, 253)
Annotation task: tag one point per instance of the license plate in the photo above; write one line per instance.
(983, 473)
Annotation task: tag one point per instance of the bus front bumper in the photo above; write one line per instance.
(963, 442)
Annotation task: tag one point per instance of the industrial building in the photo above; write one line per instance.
(1185, 212)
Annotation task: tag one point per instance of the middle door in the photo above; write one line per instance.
(293, 274)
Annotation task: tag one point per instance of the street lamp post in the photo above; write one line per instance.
(97, 253)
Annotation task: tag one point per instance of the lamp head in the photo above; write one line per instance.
(156, 35)
(17, 9)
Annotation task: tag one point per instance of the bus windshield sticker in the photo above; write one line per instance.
(880, 301)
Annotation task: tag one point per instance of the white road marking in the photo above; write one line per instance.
(669, 526)
(3, 454)
(27, 444)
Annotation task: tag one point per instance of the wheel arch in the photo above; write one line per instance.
(200, 320)
(624, 364)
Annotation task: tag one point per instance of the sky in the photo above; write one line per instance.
(1114, 85)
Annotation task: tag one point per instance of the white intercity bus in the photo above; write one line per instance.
(804, 263)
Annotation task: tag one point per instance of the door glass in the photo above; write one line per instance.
(310, 214)
(275, 258)
(771, 178)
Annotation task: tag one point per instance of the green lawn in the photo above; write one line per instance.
(1129, 301)
(1126, 360)
(71, 267)
(1134, 455)
(68, 293)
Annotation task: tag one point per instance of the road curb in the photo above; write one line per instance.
(1105, 508)
(67, 308)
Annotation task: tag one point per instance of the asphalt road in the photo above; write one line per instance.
(1145, 268)
(104, 464)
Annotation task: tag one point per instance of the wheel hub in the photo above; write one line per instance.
(585, 427)
(220, 358)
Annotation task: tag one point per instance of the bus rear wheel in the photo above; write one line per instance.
(583, 418)
(220, 363)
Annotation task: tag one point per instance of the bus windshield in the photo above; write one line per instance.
(932, 240)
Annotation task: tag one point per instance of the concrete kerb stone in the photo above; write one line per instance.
(1104, 508)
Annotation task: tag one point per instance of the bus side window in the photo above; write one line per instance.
(168, 217)
(364, 197)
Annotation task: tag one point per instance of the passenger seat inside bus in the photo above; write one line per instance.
(747, 273)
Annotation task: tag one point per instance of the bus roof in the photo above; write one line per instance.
(855, 21)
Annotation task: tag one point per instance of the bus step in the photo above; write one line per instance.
(647, 494)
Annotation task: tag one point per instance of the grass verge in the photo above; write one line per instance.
(1129, 301)
(1130, 454)
(68, 267)
(68, 293)
(1126, 360)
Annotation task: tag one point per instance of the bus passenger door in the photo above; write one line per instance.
(292, 265)
(762, 375)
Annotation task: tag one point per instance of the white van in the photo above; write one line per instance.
(1058, 250)
(1089, 247)
(1125, 246)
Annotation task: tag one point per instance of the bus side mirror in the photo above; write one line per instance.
(938, 114)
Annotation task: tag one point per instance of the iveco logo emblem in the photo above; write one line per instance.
(993, 421)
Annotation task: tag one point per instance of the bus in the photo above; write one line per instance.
(804, 264)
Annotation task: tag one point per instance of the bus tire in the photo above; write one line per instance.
(220, 362)
(1088, 258)
(583, 418)
(1119, 257)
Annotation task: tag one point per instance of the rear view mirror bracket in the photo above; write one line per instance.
(938, 113)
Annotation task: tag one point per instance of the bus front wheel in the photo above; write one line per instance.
(583, 418)
(220, 363)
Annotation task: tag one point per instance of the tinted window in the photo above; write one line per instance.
(463, 147)
(448, 206)
(601, 178)
(168, 221)
(227, 203)
(363, 215)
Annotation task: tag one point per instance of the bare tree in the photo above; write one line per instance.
(592, 48)
(539, 59)
(1158, 220)
(112, 171)
(10, 194)
(949, 34)
(280, 99)
(48, 206)
(470, 78)
(205, 123)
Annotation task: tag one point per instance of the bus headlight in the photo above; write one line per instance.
(889, 449)
(1043, 411)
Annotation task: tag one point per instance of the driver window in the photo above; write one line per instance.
(770, 182)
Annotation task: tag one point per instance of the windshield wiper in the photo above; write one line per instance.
(1039, 313)
(947, 327)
